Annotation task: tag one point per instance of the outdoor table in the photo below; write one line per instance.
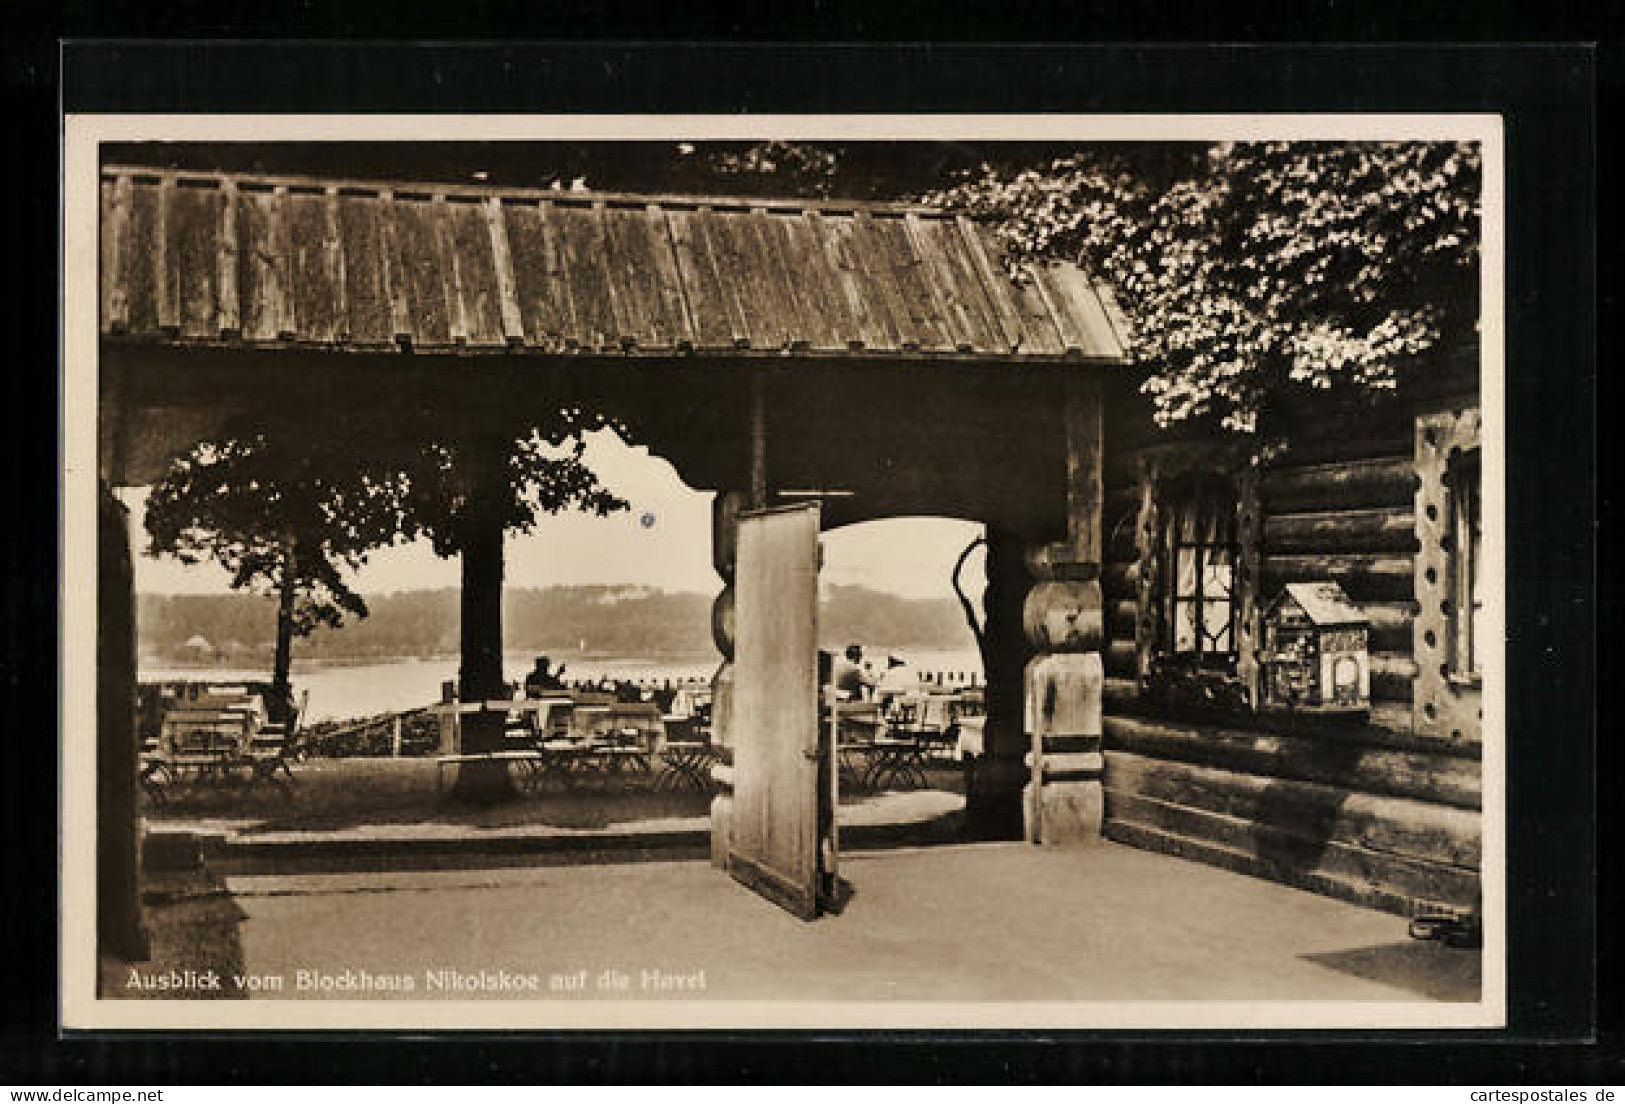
(857, 724)
(527, 763)
(929, 720)
(855, 759)
(687, 764)
(970, 736)
(683, 726)
(452, 713)
(618, 758)
(586, 716)
(207, 742)
(897, 761)
(570, 758)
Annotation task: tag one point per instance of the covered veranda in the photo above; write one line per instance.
(877, 358)
(924, 925)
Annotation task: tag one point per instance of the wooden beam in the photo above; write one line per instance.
(758, 442)
(1380, 482)
(118, 862)
(513, 323)
(1085, 455)
(228, 303)
(1402, 770)
(1319, 810)
(165, 289)
(115, 256)
(1378, 879)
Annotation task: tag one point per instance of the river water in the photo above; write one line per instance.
(361, 690)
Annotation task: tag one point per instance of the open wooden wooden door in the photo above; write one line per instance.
(780, 839)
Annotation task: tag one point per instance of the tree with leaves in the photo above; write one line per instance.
(464, 495)
(282, 516)
(1251, 270)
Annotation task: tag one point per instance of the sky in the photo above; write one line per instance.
(663, 541)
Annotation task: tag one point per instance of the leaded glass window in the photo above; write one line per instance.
(1199, 556)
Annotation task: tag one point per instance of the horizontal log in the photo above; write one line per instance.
(1388, 882)
(1314, 810)
(1383, 530)
(1396, 717)
(1366, 578)
(1120, 580)
(1385, 481)
(1121, 614)
(1391, 625)
(1120, 693)
(1119, 659)
(1342, 440)
(1442, 776)
(1071, 744)
(1393, 677)
(1076, 764)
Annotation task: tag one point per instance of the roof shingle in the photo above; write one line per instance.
(208, 258)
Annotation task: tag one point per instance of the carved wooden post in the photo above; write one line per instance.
(1064, 620)
(1446, 699)
(118, 828)
(1249, 565)
(1147, 526)
(993, 787)
(724, 540)
(725, 510)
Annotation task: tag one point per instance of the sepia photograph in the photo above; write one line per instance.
(688, 572)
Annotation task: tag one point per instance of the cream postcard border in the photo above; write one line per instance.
(81, 1009)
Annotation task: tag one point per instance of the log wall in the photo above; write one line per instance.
(1382, 814)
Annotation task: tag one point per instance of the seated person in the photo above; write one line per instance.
(850, 680)
(543, 679)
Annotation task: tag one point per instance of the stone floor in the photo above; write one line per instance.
(991, 922)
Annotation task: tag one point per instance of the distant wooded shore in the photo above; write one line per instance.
(210, 631)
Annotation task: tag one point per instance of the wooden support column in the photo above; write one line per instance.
(725, 510)
(480, 675)
(994, 779)
(724, 541)
(1064, 621)
(119, 932)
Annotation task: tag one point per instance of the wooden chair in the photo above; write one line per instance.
(936, 729)
(205, 742)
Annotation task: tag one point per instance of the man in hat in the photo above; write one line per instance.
(849, 677)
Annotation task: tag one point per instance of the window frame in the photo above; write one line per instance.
(1206, 652)
(1465, 489)
(1211, 495)
(1446, 699)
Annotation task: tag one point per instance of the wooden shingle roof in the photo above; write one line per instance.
(225, 259)
(1325, 603)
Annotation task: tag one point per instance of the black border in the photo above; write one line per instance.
(1547, 95)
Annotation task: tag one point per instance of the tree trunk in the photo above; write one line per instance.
(480, 676)
(281, 679)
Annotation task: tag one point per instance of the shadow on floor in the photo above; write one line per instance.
(192, 929)
(1427, 969)
(345, 795)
